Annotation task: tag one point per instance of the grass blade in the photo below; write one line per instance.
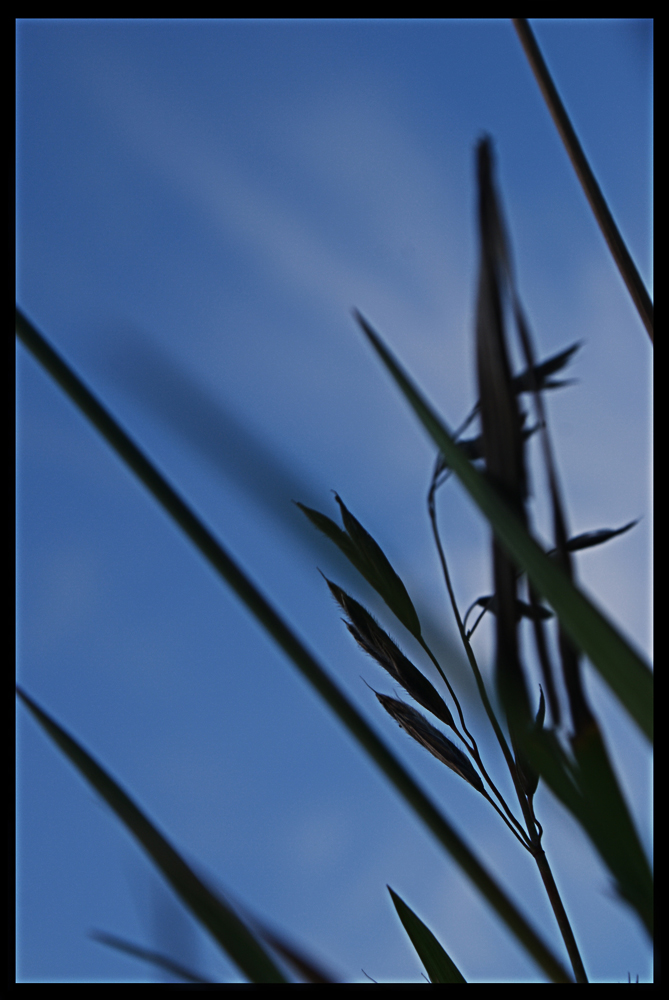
(291, 645)
(610, 231)
(221, 922)
(439, 966)
(623, 669)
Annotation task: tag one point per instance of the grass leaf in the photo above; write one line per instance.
(439, 966)
(590, 538)
(593, 192)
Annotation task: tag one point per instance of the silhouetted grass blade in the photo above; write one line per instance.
(539, 375)
(416, 726)
(502, 438)
(379, 572)
(439, 966)
(334, 533)
(590, 538)
(610, 825)
(593, 192)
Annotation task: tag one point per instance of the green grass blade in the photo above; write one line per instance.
(256, 603)
(221, 922)
(623, 670)
(439, 966)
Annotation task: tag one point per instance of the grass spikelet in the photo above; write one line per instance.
(420, 730)
(377, 643)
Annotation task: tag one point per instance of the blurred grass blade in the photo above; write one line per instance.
(294, 955)
(610, 825)
(623, 669)
(539, 375)
(438, 964)
(146, 955)
(369, 559)
(292, 646)
(221, 922)
(593, 193)
(301, 963)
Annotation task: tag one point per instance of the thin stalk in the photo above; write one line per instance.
(476, 756)
(560, 916)
(610, 231)
(511, 764)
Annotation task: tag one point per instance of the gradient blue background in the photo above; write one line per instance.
(200, 204)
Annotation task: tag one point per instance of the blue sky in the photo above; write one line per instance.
(200, 204)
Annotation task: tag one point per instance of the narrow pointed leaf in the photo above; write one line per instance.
(257, 604)
(623, 669)
(523, 610)
(593, 193)
(610, 825)
(221, 922)
(439, 965)
(333, 532)
(541, 712)
(538, 375)
(590, 538)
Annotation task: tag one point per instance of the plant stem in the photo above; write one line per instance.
(477, 674)
(560, 915)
